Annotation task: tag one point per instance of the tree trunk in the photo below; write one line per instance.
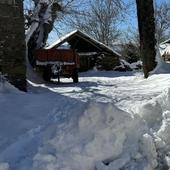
(146, 24)
(12, 42)
(42, 23)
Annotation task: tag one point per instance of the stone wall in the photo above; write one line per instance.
(12, 42)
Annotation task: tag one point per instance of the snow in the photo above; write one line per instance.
(61, 39)
(65, 37)
(165, 48)
(100, 127)
(54, 62)
(149, 150)
(4, 166)
(38, 19)
(129, 66)
(108, 121)
(30, 31)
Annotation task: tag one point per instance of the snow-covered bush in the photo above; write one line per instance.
(107, 62)
(125, 66)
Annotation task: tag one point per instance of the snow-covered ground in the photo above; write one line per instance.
(108, 121)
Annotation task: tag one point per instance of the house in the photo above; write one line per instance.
(165, 50)
(92, 52)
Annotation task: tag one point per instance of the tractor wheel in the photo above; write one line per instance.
(47, 73)
(75, 77)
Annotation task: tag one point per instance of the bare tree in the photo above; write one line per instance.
(40, 22)
(162, 16)
(146, 24)
(130, 46)
(100, 19)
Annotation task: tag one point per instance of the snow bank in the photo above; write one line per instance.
(6, 87)
(4, 166)
(156, 113)
(162, 66)
(164, 131)
(151, 112)
(149, 150)
(103, 137)
(157, 110)
(57, 131)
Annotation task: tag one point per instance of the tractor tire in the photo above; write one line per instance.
(75, 77)
(47, 73)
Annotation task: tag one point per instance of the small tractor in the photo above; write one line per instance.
(55, 63)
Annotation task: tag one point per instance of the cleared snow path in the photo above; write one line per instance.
(80, 126)
(125, 90)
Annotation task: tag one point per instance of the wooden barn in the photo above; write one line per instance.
(165, 50)
(92, 52)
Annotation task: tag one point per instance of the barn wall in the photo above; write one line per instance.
(85, 64)
(12, 42)
(166, 57)
(108, 62)
(102, 62)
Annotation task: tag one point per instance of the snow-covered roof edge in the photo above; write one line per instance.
(98, 42)
(61, 39)
(86, 35)
(166, 41)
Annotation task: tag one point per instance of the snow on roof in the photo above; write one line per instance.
(166, 41)
(81, 34)
(164, 48)
(61, 39)
(167, 50)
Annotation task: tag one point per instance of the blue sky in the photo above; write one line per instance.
(129, 22)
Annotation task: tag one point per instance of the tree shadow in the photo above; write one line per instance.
(109, 74)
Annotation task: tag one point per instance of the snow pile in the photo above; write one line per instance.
(6, 87)
(151, 112)
(162, 66)
(149, 150)
(164, 130)
(164, 48)
(107, 138)
(62, 127)
(4, 166)
(104, 137)
(156, 110)
(156, 113)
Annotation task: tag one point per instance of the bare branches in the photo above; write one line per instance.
(99, 19)
(162, 15)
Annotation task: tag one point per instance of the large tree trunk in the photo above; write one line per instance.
(12, 42)
(146, 24)
(42, 22)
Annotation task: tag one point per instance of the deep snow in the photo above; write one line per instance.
(108, 121)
